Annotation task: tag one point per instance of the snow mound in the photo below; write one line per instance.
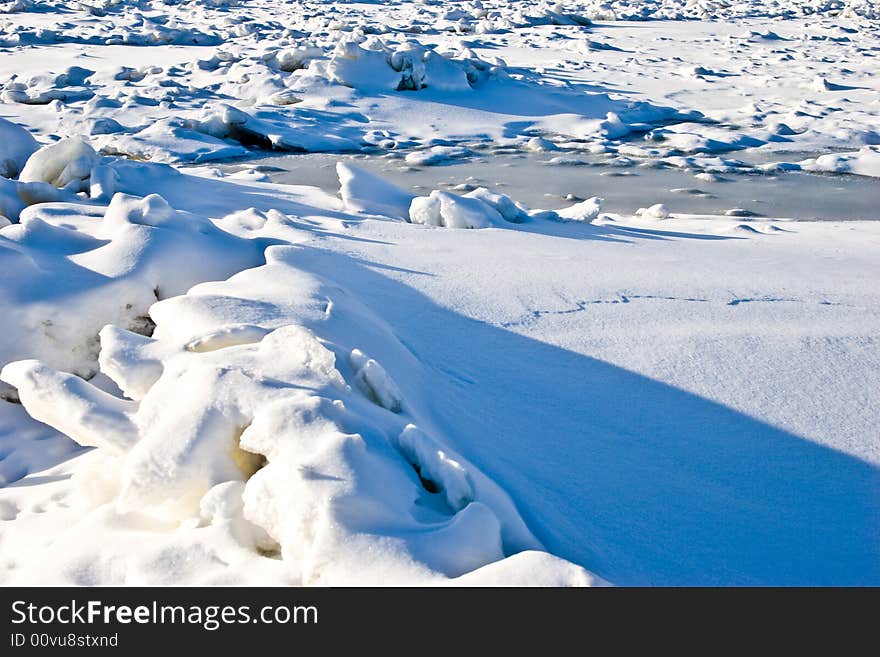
(116, 262)
(656, 211)
(451, 211)
(67, 87)
(509, 209)
(586, 211)
(269, 131)
(66, 164)
(285, 428)
(16, 146)
(170, 140)
(362, 191)
(865, 162)
(371, 65)
(530, 568)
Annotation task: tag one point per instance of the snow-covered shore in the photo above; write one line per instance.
(279, 385)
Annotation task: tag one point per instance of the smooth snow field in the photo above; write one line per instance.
(476, 293)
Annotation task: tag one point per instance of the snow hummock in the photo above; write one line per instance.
(865, 162)
(362, 191)
(451, 211)
(66, 164)
(16, 146)
(330, 472)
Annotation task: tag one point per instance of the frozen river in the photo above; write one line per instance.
(538, 182)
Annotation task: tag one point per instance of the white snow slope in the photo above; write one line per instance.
(213, 379)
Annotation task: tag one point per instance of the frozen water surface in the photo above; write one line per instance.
(552, 181)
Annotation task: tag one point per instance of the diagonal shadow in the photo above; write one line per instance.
(639, 481)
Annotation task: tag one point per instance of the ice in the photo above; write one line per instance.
(363, 191)
(90, 416)
(434, 465)
(435, 155)
(371, 65)
(66, 164)
(584, 211)
(656, 211)
(317, 489)
(451, 211)
(865, 162)
(374, 382)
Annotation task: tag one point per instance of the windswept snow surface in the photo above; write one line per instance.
(209, 378)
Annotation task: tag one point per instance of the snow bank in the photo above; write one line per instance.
(275, 418)
(333, 470)
(64, 257)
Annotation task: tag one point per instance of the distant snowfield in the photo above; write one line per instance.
(211, 378)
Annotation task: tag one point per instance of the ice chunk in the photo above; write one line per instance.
(364, 69)
(509, 209)
(450, 211)
(865, 162)
(540, 145)
(584, 211)
(444, 74)
(103, 181)
(227, 336)
(435, 465)
(16, 146)
(656, 211)
(90, 416)
(374, 382)
(131, 360)
(65, 164)
(436, 155)
(363, 191)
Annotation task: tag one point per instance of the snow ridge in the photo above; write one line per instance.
(268, 402)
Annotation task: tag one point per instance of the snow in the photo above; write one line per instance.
(212, 378)
(16, 146)
(865, 162)
(451, 211)
(66, 164)
(362, 191)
